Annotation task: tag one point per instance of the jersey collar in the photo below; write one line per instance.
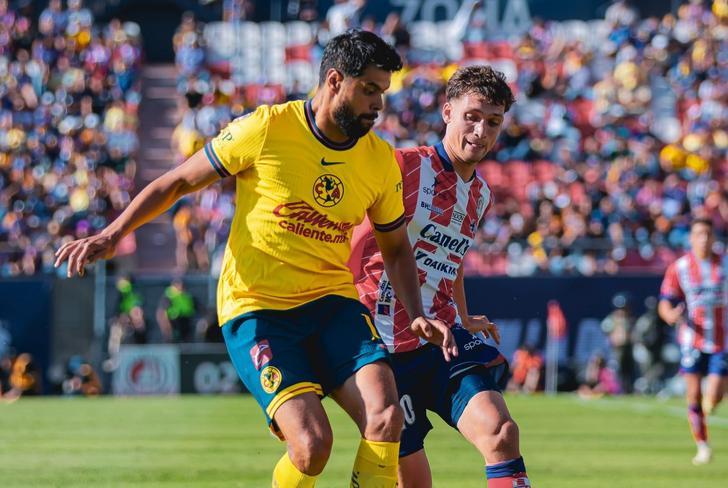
(446, 162)
(311, 122)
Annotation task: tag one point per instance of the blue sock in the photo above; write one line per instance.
(505, 472)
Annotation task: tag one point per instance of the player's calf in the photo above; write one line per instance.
(487, 424)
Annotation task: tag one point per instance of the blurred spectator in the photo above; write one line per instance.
(5, 340)
(69, 95)
(176, 313)
(81, 379)
(599, 380)
(24, 377)
(128, 326)
(619, 326)
(344, 15)
(6, 367)
(208, 329)
(526, 370)
(648, 338)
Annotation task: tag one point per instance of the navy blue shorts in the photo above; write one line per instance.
(695, 361)
(427, 382)
(315, 347)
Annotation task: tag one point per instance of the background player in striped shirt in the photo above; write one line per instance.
(306, 174)
(699, 281)
(445, 201)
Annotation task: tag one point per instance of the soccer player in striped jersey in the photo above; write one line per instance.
(698, 282)
(445, 201)
(306, 174)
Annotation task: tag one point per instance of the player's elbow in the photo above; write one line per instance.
(663, 309)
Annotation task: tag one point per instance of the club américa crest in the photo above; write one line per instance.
(270, 379)
(328, 190)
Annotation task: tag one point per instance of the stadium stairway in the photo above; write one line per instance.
(158, 117)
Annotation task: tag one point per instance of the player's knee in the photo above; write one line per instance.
(311, 450)
(385, 424)
(505, 437)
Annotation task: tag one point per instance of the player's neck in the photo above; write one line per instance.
(464, 170)
(701, 256)
(323, 116)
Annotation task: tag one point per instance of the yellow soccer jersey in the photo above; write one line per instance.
(298, 198)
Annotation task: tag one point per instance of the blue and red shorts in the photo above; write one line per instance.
(427, 382)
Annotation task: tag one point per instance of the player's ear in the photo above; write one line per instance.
(447, 112)
(334, 79)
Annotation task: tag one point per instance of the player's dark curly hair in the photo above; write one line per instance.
(483, 80)
(703, 221)
(351, 52)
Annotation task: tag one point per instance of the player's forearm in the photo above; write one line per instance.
(151, 202)
(402, 272)
(458, 295)
(666, 311)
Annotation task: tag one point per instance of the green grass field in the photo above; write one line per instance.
(218, 441)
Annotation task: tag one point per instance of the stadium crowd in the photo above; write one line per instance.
(612, 146)
(69, 96)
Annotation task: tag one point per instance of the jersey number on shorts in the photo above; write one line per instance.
(408, 409)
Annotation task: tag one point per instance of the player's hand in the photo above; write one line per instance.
(436, 332)
(85, 251)
(675, 315)
(481, 323)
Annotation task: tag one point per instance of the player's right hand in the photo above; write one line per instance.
(675, 314)
(481, 323)
(85, 251)
(436, 332)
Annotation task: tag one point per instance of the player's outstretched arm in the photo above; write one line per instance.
(155, 198)
(399, 262)
(471, 323)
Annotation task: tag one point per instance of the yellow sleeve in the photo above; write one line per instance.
(387, 212)
(237, 147)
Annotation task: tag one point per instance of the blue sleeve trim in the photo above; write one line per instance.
(215, 161)
(390, 226)
(673, 300)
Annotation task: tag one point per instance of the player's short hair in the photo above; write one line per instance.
(702, 220)
(353, 51)
(482, 80)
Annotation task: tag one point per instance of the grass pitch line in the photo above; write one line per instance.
(645, 407)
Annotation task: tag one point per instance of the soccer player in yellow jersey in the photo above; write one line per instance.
(306, 174)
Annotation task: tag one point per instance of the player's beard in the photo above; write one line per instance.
(350, 124)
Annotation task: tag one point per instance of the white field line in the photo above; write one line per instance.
(645, 407)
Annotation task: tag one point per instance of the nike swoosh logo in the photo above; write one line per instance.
(330, 163)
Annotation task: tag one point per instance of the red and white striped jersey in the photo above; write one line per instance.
(703, 286)
(443, 213)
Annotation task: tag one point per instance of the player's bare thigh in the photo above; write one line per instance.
(306, 428)
(369, 396)
(414, 471)
(487, 424)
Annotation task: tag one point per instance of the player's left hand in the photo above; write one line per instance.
(481, 323)
(436, 332)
